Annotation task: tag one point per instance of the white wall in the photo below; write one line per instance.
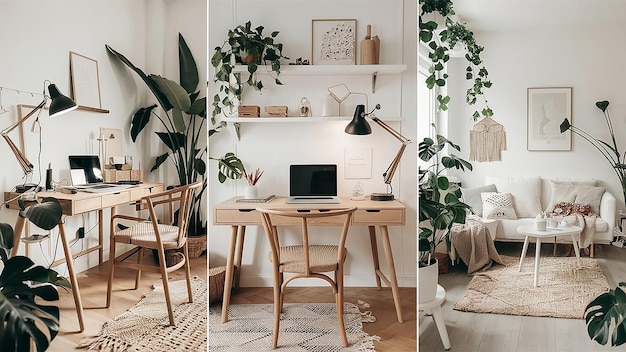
(41, 35)
(273, 146)
(587, 59)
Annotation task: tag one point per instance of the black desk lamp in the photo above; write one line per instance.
(359, 126)
(59, 104)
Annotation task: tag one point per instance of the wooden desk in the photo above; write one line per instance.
(369, 213)
(79, 203)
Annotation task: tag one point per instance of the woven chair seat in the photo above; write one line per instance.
(142, 234)
(323, 258)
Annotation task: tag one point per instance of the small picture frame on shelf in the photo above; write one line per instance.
(333, 42)
(85, 81)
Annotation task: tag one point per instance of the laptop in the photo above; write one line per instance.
(87, 176)
(313, 184)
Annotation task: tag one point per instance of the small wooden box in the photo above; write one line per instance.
(276, 111)
(112, 175)
(249, 111)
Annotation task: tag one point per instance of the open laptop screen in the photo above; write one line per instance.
(313, 180)
(90, 166)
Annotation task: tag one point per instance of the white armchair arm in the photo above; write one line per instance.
(608, 209)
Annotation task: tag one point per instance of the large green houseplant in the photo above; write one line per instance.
(441, 41)
(247, 46)
(23, 285)
(182, 116)
(440, 205)
(606, 314)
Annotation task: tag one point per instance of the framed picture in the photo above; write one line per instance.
(333, 42)
(547, 108)
(85, 81)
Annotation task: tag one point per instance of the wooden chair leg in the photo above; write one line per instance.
(592, 253)
(139, 261)
(188, 272)
(339, 297)
(278, 306)
(166, 287)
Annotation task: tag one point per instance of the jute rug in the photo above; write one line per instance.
(564, 288)
(145, 326)
(303, 327)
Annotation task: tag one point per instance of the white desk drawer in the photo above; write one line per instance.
(378, 217)
(237, 217)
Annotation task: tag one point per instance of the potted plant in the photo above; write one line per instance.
(249, 47)
(440, 208)
(441, 42)
(183, 115)
(23, 285)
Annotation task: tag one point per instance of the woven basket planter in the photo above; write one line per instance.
(217, 276)
(197, 245)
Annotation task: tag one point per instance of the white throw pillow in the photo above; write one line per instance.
(566, 190)
(526, 193)
(590, 195)
(471, 197)
(498, 206)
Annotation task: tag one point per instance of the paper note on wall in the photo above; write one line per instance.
(358, 162)
(113, 137)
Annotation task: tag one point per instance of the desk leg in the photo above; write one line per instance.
(230, 266)
(241, 233)
(70, 267)
(101, 234)
(372, 230)
(392, 272)
(17, 234)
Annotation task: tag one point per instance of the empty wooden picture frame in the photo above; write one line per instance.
(547, 108)
(333, 42)
(85, 81)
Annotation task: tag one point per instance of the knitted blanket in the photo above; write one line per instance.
(474, 246)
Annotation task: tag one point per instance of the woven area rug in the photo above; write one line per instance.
(303, 327)
(145, 326)
(564, 288)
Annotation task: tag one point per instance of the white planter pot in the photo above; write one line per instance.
(252, 192)
(428, 277)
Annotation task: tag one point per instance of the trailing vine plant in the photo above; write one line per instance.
(441, 42)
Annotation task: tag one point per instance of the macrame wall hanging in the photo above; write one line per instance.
(487, 141)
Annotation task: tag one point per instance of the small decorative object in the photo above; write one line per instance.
(552, 222)
(368, 48)
(305, 107)
(276, 111)
(327, 106)
(487, 140)
(563, 223)
(334, 42)
(249, 111)
(300, 61)
(540, 221)
(546, 109)
(357, 192)
(252, 191)
(377, 54)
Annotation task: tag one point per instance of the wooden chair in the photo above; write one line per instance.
(150, 234)
(306, 260)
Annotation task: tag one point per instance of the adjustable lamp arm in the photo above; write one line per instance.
(26, 165)
(391, 170)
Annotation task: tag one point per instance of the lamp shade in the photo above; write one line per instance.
(358, 125)
(60, 103)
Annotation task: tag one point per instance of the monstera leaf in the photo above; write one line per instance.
(605, 317)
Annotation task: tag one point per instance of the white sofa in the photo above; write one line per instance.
(531, 195)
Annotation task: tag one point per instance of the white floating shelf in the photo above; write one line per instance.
(328, 69)
(298, 119)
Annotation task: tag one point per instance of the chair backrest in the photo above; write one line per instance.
(272, 232)
(184, 196)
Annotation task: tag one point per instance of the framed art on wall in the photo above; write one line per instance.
(546, 109)
(85, 81)
(333, 42)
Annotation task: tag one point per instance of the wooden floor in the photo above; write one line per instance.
(393, 335)
(492, 332)
(93, 286)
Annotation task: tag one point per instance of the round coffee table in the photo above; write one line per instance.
(531, 231)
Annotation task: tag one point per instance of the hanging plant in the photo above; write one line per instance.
(441, 42)
(248, 47)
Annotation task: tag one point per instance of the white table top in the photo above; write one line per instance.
(531, 230)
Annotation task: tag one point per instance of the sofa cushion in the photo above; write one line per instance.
(526, 193)
(471, 197)
(564, 190)
(498, 205)
(590, 195)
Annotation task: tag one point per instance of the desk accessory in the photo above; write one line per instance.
(359, 126)
(59, 104)
(341, 92)
(255, 200)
